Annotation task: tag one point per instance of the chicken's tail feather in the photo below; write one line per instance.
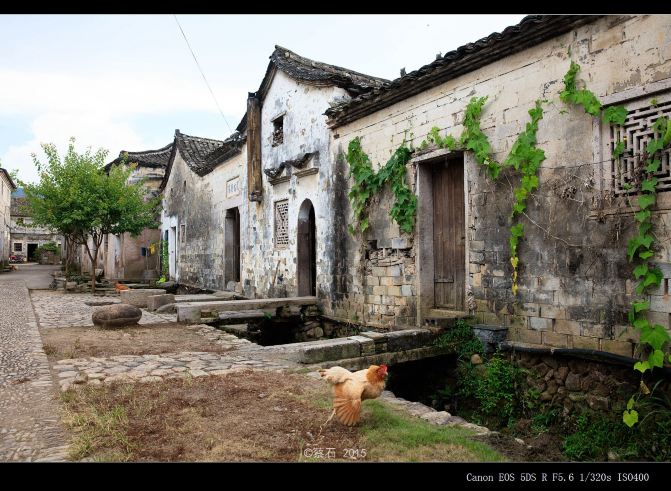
(348, 411)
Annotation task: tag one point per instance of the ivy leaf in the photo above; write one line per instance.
(638, 241)
(517, 230)
(642, 216)
(640, 306)
(653, 166)
(654, 145)
(642, 366)
(514, 261)
(630, 403)
(639, 271)
(641, 324)
(615, 115)
(646, 254)
(655, 337)
(653, 277)
(646, 201)
(630, 417)
(649, 185)
(656, 358)
(618, 150)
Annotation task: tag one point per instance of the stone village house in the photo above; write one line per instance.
(26, 238)
(266, 211)
(137, 258)
(124, 257)
(7, 187)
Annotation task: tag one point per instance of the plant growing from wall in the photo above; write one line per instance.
(640, 249)
(524, 157)
(367, 183)
(654, 339)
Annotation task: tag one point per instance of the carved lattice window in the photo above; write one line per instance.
(282, 223)
(626, 171)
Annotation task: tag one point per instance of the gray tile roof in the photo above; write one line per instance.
(202, 155)
(532, 30)
(148, 158)
(314, 73)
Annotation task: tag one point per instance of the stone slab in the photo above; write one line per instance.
(190, 311)
(156, 301)
(139, 297)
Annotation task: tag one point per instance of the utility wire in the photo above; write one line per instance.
(202, 73)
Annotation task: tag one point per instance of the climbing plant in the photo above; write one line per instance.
(524, 157)
(653, 337)
(367, 183)
(640, 249)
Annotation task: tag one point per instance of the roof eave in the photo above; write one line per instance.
(412, 84)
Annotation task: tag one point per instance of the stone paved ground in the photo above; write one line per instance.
(59, 309)
(30, 428)
(149, 368)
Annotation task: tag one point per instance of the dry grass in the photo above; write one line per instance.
(250, 416)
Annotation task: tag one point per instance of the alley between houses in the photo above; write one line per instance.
(30, 428)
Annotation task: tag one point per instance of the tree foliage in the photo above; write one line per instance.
(78, 198)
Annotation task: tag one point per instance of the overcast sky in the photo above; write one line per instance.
(126, 82)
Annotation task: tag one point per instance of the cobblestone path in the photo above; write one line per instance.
(56, 309)
(30, 428)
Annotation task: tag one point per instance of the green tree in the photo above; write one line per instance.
(79, 199)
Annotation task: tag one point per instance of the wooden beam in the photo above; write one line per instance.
(254, 169)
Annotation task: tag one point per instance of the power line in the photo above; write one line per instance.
(202, 73)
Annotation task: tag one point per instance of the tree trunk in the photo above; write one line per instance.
(94, 259)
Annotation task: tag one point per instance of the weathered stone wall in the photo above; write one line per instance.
(199, 204)
(269, 270)
(574, 278)
(573, 383)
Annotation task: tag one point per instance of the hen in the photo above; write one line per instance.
(349, 389)
(118, 287)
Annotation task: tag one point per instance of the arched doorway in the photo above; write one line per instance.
(307, 250)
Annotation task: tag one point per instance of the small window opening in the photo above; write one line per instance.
(278, 131)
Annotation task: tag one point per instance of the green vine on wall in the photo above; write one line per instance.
(653, 337)
(524, 157)
(367, 183)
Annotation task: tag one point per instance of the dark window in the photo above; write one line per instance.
(278, 131)
(18, 246)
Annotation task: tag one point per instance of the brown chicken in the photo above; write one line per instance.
(118, 287)
(349, 389)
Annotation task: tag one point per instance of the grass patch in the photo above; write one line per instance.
(100, 425)
(49, 349)
(390, 435)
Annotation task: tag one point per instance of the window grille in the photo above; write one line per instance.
(627, 171)
(282, 223)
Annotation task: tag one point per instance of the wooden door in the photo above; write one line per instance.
(232, 246)
(449, 234)
(307, 250)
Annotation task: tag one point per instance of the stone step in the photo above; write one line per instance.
(190, 311)
(445, 318)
